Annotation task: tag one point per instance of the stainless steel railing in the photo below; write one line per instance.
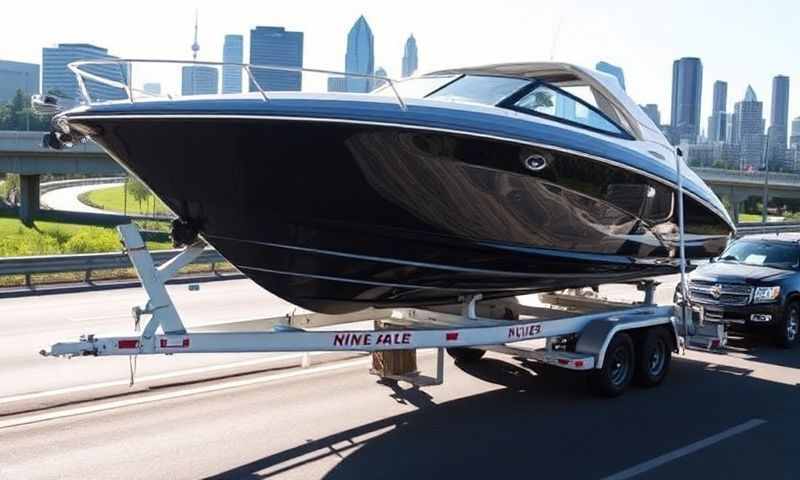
(79, 69)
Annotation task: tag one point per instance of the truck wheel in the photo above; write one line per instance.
(787, 330)
(618, 367)
(653, 357)
(465, 355)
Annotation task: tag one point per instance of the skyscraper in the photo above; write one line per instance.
(651, 110)
(232, 52)
(779, 113)
(794, 140)
(380, 72)
(410, 57)
(59, 80)
(18, 76)
(198, 79)
(748, 129)
(279, 47)
(716, 122)
(612, 70)
(687, 88)
(360, 56)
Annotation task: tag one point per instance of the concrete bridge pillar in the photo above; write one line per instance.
(28, 198)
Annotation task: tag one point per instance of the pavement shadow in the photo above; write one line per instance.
(760, 347)
(543, 423)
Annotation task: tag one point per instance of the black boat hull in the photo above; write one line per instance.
(336, 217)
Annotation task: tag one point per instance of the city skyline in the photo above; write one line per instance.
(621, 34)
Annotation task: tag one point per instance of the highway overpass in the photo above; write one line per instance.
(736, 186)
(22, 153)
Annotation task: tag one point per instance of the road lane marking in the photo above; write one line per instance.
(688, 449)
(149, 378)
(26, 420)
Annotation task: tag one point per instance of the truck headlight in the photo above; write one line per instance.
(766, 294)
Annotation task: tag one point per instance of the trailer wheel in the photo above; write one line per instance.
(653, 357)
(465, 355)
(618, 367)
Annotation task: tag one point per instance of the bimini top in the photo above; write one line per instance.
(607, 93)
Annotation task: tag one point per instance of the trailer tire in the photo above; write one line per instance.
(466, 355)
(618, 366)
(653, 357)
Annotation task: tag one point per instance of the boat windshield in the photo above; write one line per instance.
(771, 254)
(574, 103)
(418, 87)
(479, 89)
(482, 89)
(565, 106)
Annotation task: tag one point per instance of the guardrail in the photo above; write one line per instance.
(46, 187)
(782, 227)
(89, 262)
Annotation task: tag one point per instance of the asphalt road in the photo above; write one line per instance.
(67, 198)
(29, 324)
(716, 416)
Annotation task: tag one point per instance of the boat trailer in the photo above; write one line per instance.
(608, 339)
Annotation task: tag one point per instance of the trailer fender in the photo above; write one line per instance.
(597, 334)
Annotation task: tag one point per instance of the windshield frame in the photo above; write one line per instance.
(510, 104)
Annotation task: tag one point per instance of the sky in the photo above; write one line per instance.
(741, 42)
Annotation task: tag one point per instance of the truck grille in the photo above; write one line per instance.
(720, 293)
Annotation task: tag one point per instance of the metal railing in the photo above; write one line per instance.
(89, 262)
(776, 227)
(83, 75)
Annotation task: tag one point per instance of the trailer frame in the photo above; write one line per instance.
(578, 330)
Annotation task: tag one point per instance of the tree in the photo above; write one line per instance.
(11, 185)
(138, 191)
(18, 115)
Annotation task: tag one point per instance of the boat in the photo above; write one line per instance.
(497, 180)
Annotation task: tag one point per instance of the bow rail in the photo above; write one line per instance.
(79, 68)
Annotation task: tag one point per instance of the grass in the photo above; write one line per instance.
(113, 200)
(749, 217)
(52, 238)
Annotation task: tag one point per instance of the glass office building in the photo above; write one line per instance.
(232, 52)
(59, 80)
(16, 76)
(278, 47)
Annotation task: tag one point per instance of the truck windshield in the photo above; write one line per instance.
(778, 255)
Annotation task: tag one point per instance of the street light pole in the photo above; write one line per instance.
(765, 196)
